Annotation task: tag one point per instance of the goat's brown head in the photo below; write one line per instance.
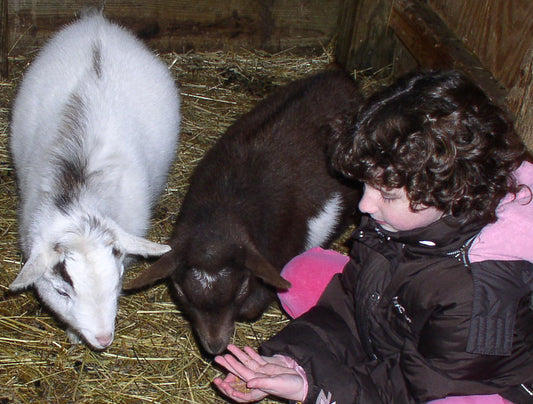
(216, 284)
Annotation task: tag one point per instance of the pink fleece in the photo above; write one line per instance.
(511, 237)
(309, 273)
(487, 399)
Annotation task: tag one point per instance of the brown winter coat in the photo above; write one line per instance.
(394, 326)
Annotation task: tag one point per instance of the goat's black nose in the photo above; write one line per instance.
(215, 347)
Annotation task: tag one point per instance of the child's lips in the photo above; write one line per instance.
(380, 222)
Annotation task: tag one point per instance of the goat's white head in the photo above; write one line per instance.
(77, 271)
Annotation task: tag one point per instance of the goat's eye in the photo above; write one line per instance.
(62, 292)
(116, 252)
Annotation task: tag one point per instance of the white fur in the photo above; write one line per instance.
(208, 281)
(94, 94)
(322, 226)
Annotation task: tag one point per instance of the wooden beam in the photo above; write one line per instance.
(364, 40)
(434, 45)
(4, 45)
(520, 100)
(180, 26)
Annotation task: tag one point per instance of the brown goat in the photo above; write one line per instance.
(261, 195)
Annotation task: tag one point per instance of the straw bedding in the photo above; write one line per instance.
(154, 357)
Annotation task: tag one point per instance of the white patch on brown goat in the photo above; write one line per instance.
(321, 227)
(208, 280)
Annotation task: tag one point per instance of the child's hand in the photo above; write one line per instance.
(252, 376)
(236, 389)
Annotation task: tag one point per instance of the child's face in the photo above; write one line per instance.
(390, 208)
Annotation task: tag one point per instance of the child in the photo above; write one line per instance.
(430, 304)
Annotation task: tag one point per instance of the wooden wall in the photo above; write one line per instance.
(490, 40)
(181, 25)
(499, 32)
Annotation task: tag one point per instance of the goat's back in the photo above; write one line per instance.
(116, 74)
(95, 94)
(271, 167)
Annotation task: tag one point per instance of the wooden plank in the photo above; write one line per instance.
(365, 41)
(344, 53)
(181, 25)
(434, 45)
(4, 43)
(520, 100)
(499, 32)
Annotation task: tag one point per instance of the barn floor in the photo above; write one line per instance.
(154, 357)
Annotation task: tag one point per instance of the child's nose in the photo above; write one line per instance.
(367, 203)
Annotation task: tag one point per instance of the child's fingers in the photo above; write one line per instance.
(226, 389)
(253, 354)
(270, 385)
(235, 367)
(241, 355)
(251, 395)
(283, 386)
(244, 371)
(222, 361)
(249, 357)
(221, 385)
(237, 390)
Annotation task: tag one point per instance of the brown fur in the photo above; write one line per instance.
(250, 199)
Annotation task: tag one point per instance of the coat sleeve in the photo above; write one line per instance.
(325, 342)
(498, 288)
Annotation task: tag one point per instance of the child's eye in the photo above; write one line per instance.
(388, 198)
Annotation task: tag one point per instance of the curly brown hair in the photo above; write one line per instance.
(438, 135)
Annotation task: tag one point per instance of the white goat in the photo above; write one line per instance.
(94, 131)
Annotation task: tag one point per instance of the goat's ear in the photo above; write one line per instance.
(159, 270)
(138, 245)
(261, 268)
(31, 272)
